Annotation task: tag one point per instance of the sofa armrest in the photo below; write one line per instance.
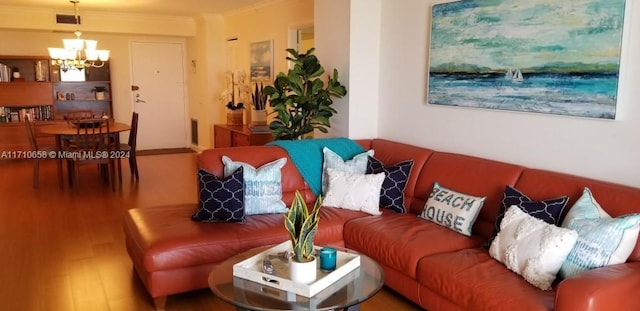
(614, 287)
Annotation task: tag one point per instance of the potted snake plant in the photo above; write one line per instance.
(302, 226)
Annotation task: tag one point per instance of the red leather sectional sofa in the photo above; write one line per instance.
(431, 265)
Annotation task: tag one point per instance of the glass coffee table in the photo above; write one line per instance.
(346, 293)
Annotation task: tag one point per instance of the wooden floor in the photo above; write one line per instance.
(64, 249)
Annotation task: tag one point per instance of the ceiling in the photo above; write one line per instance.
(160, 7)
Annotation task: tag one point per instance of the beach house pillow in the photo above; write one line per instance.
(531, 247)
(262, 186)
(549, 210)
(452, 209)
(357, 164)
(602, 240)
(220, 199)
(396, 177)
(353, 191)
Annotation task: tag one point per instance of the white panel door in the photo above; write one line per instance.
(158, 91)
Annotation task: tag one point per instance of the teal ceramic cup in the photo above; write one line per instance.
(328, 258)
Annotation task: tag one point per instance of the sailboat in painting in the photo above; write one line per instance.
(514, 76)
(517, 76)
(509, 74)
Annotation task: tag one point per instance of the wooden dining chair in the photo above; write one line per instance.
(130, 146)
(39, 153)
(92, 144)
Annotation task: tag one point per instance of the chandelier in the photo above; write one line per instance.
(78, 53)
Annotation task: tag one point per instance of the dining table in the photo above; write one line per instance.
(65, 129)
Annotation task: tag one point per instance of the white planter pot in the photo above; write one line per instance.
(303, 272)
(99, 95)
(258, 117)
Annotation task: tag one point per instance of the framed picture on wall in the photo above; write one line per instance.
(556, 57)
(261, 63)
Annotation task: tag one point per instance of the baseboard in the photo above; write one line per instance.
(163, 151)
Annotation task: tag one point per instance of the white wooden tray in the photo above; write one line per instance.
(251, 269)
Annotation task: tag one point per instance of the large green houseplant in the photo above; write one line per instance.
(300, 99)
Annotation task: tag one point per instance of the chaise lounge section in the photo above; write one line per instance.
(432, 265)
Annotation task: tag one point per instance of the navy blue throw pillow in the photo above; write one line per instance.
(395, 180)
(220, 199)
(549, 210)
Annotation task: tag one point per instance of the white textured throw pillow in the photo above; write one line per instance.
(452, 209)
(332, 160)
(531, 247)
(358, 192)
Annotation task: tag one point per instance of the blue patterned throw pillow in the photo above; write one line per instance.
(602, 240)
(549, 210)
(395, 180)
(220, 199)
(262, 186)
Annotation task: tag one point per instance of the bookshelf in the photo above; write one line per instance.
(30, 93)
(76, 90)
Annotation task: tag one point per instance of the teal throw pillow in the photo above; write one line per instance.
(263, 186)
(602, 240)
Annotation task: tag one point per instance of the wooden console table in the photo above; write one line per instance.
(238, 135)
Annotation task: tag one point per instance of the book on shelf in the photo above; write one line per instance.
(37, 113)
(5, 73)
(259, 129)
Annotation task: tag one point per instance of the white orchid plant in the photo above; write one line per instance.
(235, 81)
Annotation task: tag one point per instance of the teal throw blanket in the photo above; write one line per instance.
(306, 155)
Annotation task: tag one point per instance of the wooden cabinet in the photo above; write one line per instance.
(81, 92)
(238, 135)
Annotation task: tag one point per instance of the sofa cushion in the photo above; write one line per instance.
(263, 186)
(390, 152)
(400, 240)
(474, 281)
(395, 181)
(602, 240)
(332, 160)
(169, 239)
(548, 210)
(256, 156)
(165, 237)
(452, 209)
(354, 191)
(616, 199)
(531, 247)
(331, 225)
(475, 176)
(221, 198)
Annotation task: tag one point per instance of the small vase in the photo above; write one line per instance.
(234, 117)
(303, 272)
(258, 117)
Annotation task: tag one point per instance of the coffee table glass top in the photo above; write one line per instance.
(354, 288)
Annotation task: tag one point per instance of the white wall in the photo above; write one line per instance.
(601, 149)
(332, 37)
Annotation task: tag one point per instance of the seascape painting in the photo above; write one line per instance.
(261, 61)
(546, 56)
